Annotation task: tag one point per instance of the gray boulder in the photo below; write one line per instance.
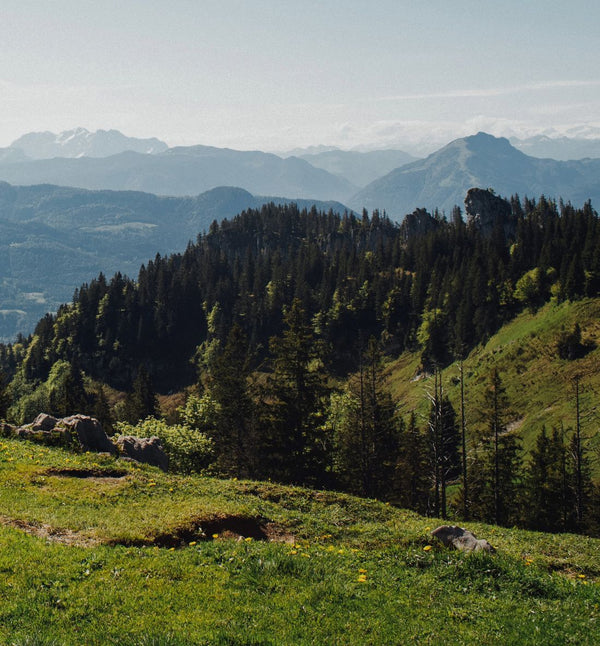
(143, 449)
(89, 432)
(43, 422)
(461, 539)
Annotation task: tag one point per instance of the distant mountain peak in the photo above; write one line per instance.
(80, 142)
(442, 179)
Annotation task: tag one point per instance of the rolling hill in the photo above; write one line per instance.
(54, 238)
(539, 383)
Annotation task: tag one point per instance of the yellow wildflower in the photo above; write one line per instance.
(192, 543)
(427, 548)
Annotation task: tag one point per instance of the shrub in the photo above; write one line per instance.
(189, 450)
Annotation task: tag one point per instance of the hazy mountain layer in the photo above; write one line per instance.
(359, 168)
(184, 171)
(561, 148)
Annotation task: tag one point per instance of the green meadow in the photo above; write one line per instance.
(95, 550)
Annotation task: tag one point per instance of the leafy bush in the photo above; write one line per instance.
(189, 450)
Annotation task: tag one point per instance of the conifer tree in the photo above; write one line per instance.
(412, 482)
(367, 436)
(443, 440)
(235, 446)
(142, 401)
(545, 507)
(5, 399)
(67, 395)
(295, 448)
(496, 462)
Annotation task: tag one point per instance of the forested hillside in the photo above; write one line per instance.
(282, 318)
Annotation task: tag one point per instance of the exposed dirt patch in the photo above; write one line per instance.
(572, 571)
(97, 474)
(54, 534)
(217, 528)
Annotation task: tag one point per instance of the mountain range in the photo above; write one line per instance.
(54, 236)
(561, 148)
(175, 171)
(52, 239)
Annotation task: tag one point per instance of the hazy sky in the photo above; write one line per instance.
(275, 74)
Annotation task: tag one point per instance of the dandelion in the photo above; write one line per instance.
(294, 552)
(362, 571)
(581, 576)
(170, 489)
(427, 548)
(171, 549)
(215, 536)
(248, 539)
(362, 578)
(192, 543)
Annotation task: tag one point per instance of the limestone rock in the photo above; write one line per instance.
(89, 432)
(143, 449)
(461, 539)
(486, 211)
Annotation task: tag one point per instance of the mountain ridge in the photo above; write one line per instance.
(80, 142)
(183, 171)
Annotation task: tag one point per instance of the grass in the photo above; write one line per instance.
(538, 383)
(97, 551)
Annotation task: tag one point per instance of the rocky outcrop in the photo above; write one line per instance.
(418, 223)
(89, 433)
(461, 539)
(485, 210)
(86, 433)
(143, 449)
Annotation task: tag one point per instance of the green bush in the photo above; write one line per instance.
(189, 450)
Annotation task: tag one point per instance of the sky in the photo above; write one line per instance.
(283, 74)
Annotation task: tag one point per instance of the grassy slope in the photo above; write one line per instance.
(538, 383)
(121, 560)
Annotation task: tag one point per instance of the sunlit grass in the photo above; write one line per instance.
(538, 383)
(342, 571)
